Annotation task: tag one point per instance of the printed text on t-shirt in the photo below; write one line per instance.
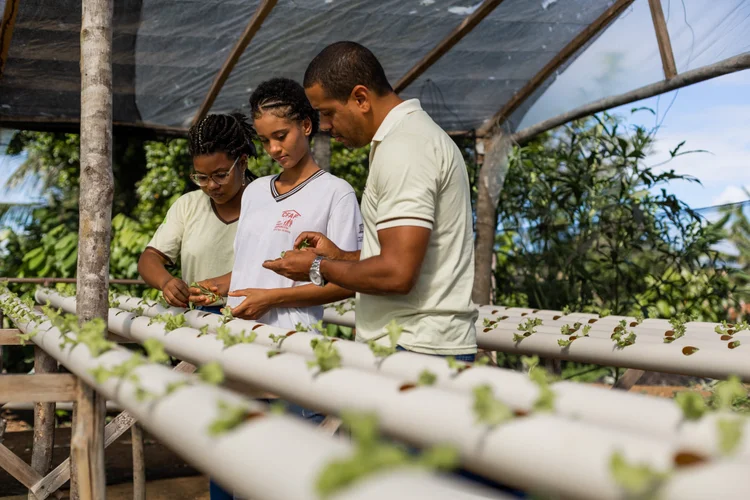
(287, 219)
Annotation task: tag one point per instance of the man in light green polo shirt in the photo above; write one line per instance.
(417, 261)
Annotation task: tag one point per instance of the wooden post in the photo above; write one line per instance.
(2, 420)
(139, 464)
(95, 219)
(489, 184)
(44, 419)
(321, 150)
(87, 444)
(662, 38)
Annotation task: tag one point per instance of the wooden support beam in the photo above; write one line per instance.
(44, 418)
(261, 13)
(87, 443)
(566, 53)
(6, 30)
(9, 336)
(17, 468)
(628, 379)
(662, 37)
(116, 428)
(447, 43)
(725, 67)
(139, 463)
(39, 388)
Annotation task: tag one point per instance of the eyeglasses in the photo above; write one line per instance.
(219, 178)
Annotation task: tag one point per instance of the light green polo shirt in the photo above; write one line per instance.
(418, 178)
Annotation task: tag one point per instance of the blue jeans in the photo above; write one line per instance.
(468, 358)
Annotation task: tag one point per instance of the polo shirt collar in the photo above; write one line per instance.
(394, 116)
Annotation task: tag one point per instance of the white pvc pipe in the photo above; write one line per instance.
(289, 377)
(273, 457)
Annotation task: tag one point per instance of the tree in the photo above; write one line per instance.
(584, 224)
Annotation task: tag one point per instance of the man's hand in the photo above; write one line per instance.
(256, 303)
(320, 245)
(176, 292)
(197, 297)
(295, 264)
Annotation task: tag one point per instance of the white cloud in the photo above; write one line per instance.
(731, 194)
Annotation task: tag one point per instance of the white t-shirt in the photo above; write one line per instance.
(193, 231)
(269, 224)
(418, 178)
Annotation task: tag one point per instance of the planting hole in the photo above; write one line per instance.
(688, 350)
(555, 318)
(289, 334)
(669, 333)
(730, 332)
(726, 337)
(406, 387)
(733, 345)
(257, 326)
(494, 312)
(524, 314)
(687, 458)
(254, 414)
(633, 324)
(592, 321)
(520, 413)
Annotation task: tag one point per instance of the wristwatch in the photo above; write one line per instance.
(315, 276)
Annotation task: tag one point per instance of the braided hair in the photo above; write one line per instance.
(231, 134)
(285, 98)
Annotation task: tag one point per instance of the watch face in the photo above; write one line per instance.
(316, 278)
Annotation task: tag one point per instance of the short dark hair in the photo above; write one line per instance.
(286, 98)
(342, 66)
(231, 134)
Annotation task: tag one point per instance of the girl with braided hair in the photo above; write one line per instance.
(201, 225)
(277, 208)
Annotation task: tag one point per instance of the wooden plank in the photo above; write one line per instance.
(87, 444)
(566, 53)
(38, 388)
(44, 418)
(9, 336)
(662, 37)
(6, 30)
(447, 43)
(116, 428)
(72, 281)
(725, 67)
(260, 15)
(17, 468)
(628, 379)
(139, 464)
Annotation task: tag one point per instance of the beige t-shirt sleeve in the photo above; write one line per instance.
(168, 236)
(406, 184)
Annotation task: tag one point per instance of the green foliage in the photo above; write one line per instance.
(155, 351)
(229, 417)
(171, 321)
(327, 357)
(528, 328)
(637, 480)
(394, 331)
(426, 377)
(585, 226)
(211, 373)
(224, 334)
(372, 456)
(488, 410)
(692, 404)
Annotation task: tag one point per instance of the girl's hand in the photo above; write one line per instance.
(257, 303)
(198, 296)
(176, 292)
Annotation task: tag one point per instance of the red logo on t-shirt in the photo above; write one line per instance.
(287, 219)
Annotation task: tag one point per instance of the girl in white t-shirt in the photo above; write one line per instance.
(277, 208)
(200, 226)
